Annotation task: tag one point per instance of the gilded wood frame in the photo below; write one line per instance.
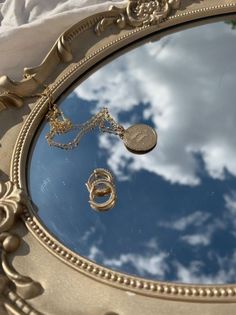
(74, 53)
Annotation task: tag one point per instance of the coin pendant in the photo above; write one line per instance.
(140, 138)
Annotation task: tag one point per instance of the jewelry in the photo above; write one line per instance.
(103, 206)
(139, 138)
(100, 184)
(100, 173)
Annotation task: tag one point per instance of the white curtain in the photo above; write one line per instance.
(30, 27)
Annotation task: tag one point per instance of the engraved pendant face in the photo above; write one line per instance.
(140, 138)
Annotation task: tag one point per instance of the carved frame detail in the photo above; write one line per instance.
(137, 13)
(12, 203)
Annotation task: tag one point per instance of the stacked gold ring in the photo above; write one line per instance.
(100, 184)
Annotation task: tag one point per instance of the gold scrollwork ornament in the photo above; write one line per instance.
(12, 203)
(138, 13)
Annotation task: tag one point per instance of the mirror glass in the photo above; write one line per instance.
(175, 214)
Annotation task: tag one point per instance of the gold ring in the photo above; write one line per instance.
(108, 204)
(100, 173)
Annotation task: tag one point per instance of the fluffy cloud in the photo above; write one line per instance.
(158, 266)
(144, 265)
(196, 218)
(230, 205)
(193, 272)
(205, 234)
(202, 225)
(187, 83)
(197, 239)
(152, 265)
(230, 202)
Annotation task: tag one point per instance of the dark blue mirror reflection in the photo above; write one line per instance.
(175, 217)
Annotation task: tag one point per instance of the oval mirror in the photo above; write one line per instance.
(174, 218)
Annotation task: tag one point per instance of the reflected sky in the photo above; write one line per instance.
(175, 217)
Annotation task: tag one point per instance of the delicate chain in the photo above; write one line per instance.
(59, 125)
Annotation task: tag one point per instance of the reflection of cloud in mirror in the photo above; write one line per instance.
(158, 265)
(152, 264)
(192, 109)
(152, 244)
(197, 239)
(196, 218)
(192, 273)
(202, 229)
(87, 235)
(94, 252)
(230, 205)
(230, 202)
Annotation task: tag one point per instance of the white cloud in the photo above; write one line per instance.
(152, 244)
(188, 82)
(230, 202)
(94, 252)
(87, 235)
(158, 266)
(153, 265)
(202, 227)
(143, 264)
(196, 218)
(197, 239)
(226, 271)
(230, 205)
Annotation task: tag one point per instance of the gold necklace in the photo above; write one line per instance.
(138, 139)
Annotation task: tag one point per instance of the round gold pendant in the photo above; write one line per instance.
(140, 138)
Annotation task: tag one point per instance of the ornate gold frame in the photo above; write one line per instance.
(69, 60)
